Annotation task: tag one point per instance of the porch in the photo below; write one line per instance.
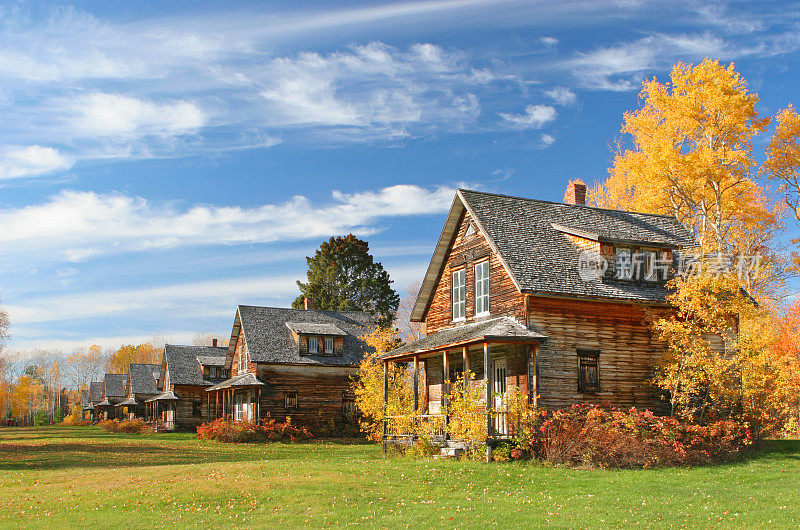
(238, 398)
(160, 411)
(500, 353)
(127, 410)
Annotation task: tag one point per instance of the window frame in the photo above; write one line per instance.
(197, 409)
(485, 284)
(291, 401)
(325, 342)
(589, 359)
(462, 290)
(316, 345)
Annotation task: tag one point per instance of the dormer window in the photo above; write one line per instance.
(313, 345)
(328, 345)
(642, 264)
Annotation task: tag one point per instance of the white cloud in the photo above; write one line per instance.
(32, 161)
(621, 67)
(548, 41)
(101, 114)
(548, 140)
(534, 117)
(76, 226)
(562, 95)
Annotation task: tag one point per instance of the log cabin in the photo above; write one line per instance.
(143, 384)
(187, 371)
(550, 298)
(294, 363)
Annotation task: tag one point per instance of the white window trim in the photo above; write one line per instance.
(243, 358)
(463, 299)
(316, 350)
(325, 341)
(483, 295)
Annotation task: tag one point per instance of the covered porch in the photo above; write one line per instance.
(104, 410)
(237, 398)
(160, 411)
(127, 410)
(500, 353)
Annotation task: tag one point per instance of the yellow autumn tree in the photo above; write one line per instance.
(687, 151)
(121, 359)
(368, 385)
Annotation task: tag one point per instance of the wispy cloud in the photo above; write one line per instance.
(561, 95)
(76, 226)
(32, 161)
(534, 117)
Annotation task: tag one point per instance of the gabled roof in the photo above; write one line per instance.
(96, 391)
(530, 239)
(183, 364)
(144, 378)
(237, 381)
(115, 385)
(269, 340)
(502, 328)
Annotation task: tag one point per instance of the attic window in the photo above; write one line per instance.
(470, 230)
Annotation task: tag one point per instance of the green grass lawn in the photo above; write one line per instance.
(56, 477)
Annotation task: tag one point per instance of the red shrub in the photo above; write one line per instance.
(267, 430)
(599, 436)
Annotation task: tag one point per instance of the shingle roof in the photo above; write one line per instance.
(543, 259)
(496, 328)
(183, 364)
(166, 396)
(115, 385)
(209, 360)
(269, 340)
(128, 402)
(143, 378)
(530, 237)
(96, 391)
(241, 380)
(315, 328)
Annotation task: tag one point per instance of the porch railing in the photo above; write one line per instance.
(405, 427)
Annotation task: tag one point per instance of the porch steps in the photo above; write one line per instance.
(452, 449)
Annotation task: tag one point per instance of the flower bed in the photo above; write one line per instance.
(124, 426)
(267, 430)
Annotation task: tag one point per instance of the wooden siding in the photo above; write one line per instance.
(321, 392)
(189, 394)
(620, 332)
(465, 253)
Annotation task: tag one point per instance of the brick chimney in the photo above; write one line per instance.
(308, 303)
(576, 192)
(214, 343)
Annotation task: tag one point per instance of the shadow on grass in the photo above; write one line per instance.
(65, 448)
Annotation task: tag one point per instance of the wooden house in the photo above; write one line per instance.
(87, 408)
(186, 374)
(142, 385)
(291, 363)
(115, 390)
(549, 298)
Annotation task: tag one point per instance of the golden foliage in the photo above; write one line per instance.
(368, 385)
(120, 360)
(466, 406)
(692, 157)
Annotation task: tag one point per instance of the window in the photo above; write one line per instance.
(313, 345)
(459, 295)
(291, 400)
(197, 408)
(588, 371)
(482, 288)
(328, 345)
(349, 408)
(651, 262)
(470, 230)
(243, 361)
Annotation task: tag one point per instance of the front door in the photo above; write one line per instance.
(499, 374)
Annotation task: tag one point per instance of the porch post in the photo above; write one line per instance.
(208, 406)
(446, 388)
(258, 405)
(416, 384)
(535, 383)
(487, 370)
(465, 355)
(385, 402)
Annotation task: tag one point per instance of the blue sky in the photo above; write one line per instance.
(161, 163)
